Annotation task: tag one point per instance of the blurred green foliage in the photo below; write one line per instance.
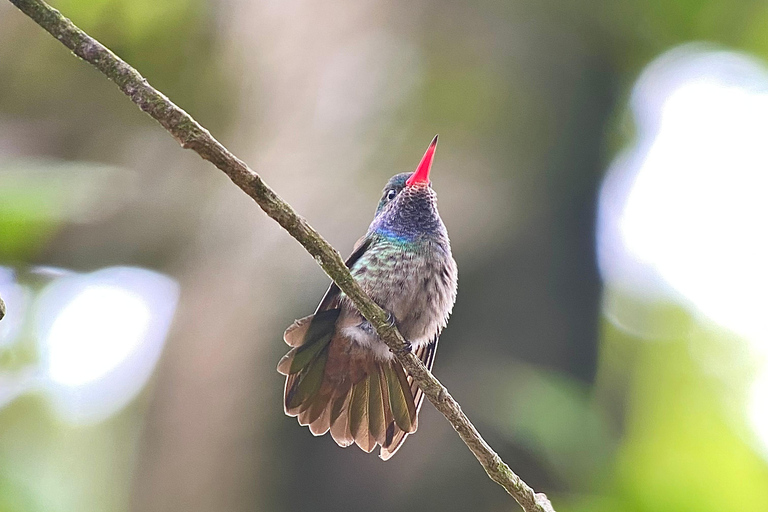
(48, 466)
(27, 219)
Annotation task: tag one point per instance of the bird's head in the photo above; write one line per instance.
(408, 205)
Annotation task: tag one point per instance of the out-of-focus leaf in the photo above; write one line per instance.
(554, 417)
(48, 466)
(38, 197)
(24, 225)
(139, 19)
(681, 450)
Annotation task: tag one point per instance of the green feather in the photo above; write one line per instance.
(309, 381)
(337, 407)
(358, 408)
(322, 323)
(317, 337)
(376, 423)
(304, 330)
(398, 401)
(306, 353)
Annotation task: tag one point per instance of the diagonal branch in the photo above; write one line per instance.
(193, 136)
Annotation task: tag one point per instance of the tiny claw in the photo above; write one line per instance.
(406, 348)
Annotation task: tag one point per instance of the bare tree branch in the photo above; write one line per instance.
(193, 136)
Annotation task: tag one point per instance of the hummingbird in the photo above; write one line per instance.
(340, 376)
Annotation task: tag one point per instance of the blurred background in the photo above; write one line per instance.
(602, 173)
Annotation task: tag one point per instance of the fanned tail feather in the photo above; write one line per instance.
(334, 386)
(340, 427)
(414, 395)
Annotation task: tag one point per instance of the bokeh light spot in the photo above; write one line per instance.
(100, 337)
(683, 214)
(95, 332)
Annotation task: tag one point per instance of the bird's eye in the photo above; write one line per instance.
(391, 194)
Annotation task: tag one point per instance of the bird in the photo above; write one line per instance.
(340, 376)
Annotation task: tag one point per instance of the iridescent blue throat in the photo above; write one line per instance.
(395, 236)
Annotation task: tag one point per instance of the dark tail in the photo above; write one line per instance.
(334, 384)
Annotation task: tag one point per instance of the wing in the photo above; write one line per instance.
(331, 297)
(309, 337)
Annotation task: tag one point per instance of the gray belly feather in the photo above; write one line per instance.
(417, 286)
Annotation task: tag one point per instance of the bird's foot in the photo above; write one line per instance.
(407, 347)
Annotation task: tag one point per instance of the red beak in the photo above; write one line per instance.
(421, 176)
